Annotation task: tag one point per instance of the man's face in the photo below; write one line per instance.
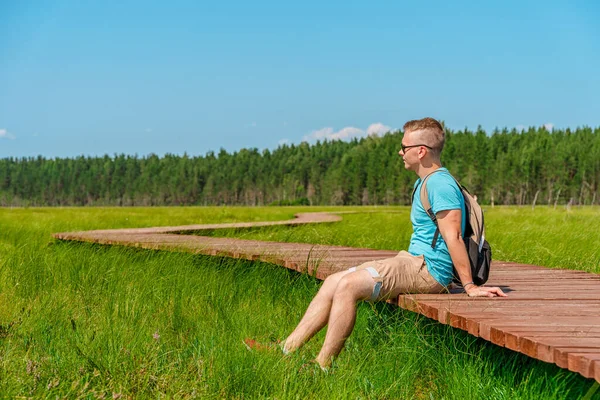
(410, 155)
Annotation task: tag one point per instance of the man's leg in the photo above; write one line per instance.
(350, 289)
(317, 314)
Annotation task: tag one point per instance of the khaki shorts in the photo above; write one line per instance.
(404, 273)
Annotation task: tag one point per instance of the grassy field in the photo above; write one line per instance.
(87, 321)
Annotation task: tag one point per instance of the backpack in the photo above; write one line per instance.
(478, 249)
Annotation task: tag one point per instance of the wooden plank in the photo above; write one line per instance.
(580, 360)
(511, 336)
(513, 296)
(542, 348)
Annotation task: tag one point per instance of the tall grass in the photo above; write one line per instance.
(80, 320)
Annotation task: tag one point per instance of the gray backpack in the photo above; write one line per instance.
(478, 249)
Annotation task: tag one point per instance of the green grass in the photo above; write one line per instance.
(79, 320)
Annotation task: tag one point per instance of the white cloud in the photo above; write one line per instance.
(348, 132)
(520, 128)
(323, 133)
(4, 134)
(549, 126)
(378, 129)
(283, 141)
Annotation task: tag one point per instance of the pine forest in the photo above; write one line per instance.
(507, 167)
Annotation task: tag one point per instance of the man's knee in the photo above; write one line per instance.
(330, 284)
(333, 279)
(357, 285)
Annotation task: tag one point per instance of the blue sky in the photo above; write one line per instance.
(140, 77)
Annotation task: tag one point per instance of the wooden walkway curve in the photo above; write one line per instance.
(551, 315)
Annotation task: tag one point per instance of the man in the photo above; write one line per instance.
(422, 269)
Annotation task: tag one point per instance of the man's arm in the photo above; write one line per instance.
(449, 223)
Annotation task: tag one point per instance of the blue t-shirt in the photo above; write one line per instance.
(444, 194)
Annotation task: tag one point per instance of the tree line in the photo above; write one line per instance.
(504, 167)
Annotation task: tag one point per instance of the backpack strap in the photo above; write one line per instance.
(427, 206)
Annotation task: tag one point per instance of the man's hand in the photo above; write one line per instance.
(484, 291)
(449, 222)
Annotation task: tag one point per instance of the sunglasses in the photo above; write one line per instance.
(404, 148)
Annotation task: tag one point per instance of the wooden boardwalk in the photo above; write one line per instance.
(551, 315)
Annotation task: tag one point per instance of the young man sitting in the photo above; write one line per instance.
(421, 269)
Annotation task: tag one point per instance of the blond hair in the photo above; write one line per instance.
(430, 132)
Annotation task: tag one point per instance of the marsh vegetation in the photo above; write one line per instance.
(81, 320)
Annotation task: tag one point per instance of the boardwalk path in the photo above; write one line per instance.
(552, 315)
